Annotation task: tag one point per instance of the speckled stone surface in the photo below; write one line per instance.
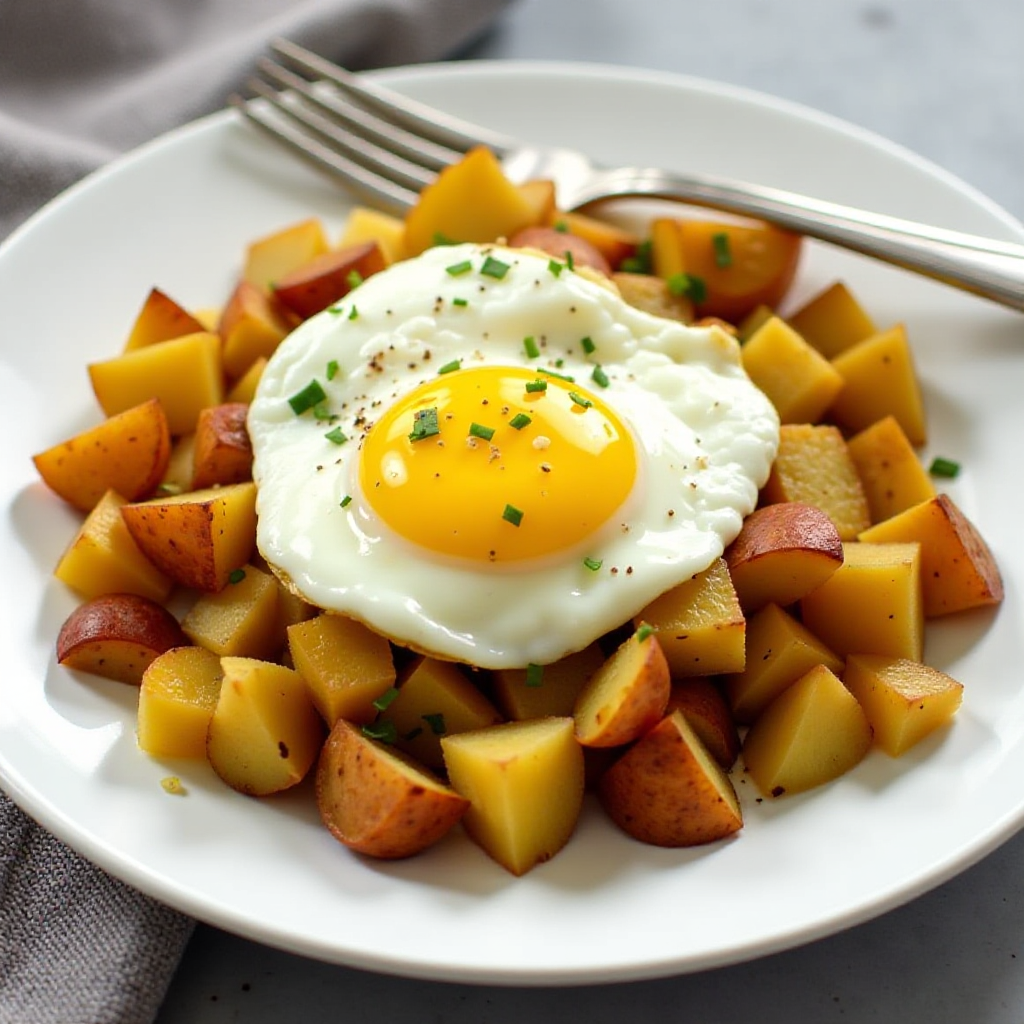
(945, 79)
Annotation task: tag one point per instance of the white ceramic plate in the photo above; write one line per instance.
(177, 214)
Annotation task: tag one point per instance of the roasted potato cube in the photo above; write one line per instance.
(699, 624)
(127, 453)
(626, 696)
(562, 246)
(379, 802)
(265, 734)
(668, 790)
(199, 538)
(271, 257)
(799, 380)
(520, 695)
(117, 636)
(872, 604)
(244, 389)
(179, 692)
(183, 373)
(781, 553)
(223, 452)
(524, 783)
(904, 700)
(103, 558)
(324, 280)
(345, 664)
(653, 295)
(614, 243)
(814, 467)
(958, 570)
(810, 734)
(178, 476)
(161, 319)
(364, 224)
(832, 321)
(706, 709)
(879, 380)
(252, 325)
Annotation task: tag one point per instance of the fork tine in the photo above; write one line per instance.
(418, 118)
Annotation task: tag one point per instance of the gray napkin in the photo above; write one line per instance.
(80, 82)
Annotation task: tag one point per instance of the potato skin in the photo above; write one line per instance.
(376, 801)
(557, 243)
(223, 451)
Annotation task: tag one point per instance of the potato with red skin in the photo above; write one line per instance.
(160, 319)
(327, 278)
(558, 243)
(378, 801)
(781, 553)
(223, 451)
(117, 636)
(704, 706)
(127, 453)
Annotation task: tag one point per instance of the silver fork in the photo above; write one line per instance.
(385, 148)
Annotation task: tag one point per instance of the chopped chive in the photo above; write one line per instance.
(386, 732)
(311, 395)
(346, 501)
(479, 430)
(451, 367)
(236, 576)
(643, 631)
(519, 421)
(353, 313)
(512, 515)
(382, 702)
(588, 345)
(723, 254)
(562, 226)
(534, 674)
(944, 467)
(424, 424)
(494, 268)
(336, 309)
(555, 267)
(533, 386)
(580, 400)
(459, 268)
(322, 411)
(440, 238)
(336, 436)
(531, 346)
(560, 376)
(559, 363)
(641, 262)
(569, 261)
(436, 723)
(689, 285)
(593, 564)
(600, 377)
(460, 302)
(332, 369)
(354, 279)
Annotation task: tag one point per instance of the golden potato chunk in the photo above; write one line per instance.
(160, 319)
(379, 802)
(704, 706)
(699, 624)
(198, 538)
(179, 692)
(668, 790)
(904, 700)
(271, 256)
(127, 453)
(522, 694)
(364, 224)
(872, 604)
(252, 325)
(812, 733)
(524, 783)
(832, 321)
(345, 664)
(958, 570)
(223, 451)
(265, 734)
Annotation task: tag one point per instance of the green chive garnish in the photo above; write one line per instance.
(569, 261)
(440, 238)
(643, 631)
(588, 345)
(451, 367)
(236, 576)
(600, 377)
(534, 674)
(561, 225)
(580, 400)
(689, 285)
(386, 732)
(336, 436)
(533, 386)
(519, 421)
(436, 723)
(531, 346)
(332, 369)
(723, 255)
(309, 397)
(555, 267)
(593, 564)
(460, 302)
(944, 467)
(322, 411)
(560, 376)
(459, 268)
(424, 424)
(382, 702)
(346, 501)
(641, 261)
(494, 268)
(354, 279)
(353, 313)
(512, 515)
(479, 430)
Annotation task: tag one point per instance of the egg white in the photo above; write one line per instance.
(706, 439)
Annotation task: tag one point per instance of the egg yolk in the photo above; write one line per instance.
(497, 464)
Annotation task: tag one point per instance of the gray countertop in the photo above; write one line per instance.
(944, 79)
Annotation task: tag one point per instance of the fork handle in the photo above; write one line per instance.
(984, 266)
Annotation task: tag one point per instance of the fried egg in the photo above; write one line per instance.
(489, 457)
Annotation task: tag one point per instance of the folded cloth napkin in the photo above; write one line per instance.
(79, 83)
